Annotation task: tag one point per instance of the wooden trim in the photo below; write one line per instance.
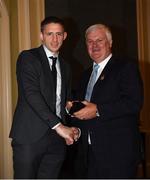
(5, 93)
(143, 29)
(24, 34)
(30, 14)
(24, 25)
(140, 27)
(37, 13)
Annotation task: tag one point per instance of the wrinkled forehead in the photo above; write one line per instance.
(97, 33)
(100, 31)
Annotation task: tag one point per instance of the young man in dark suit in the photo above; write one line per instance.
(112, 93)
(39, 135)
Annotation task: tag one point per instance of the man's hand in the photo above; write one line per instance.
(77, 134)
(70, 134)
(88, 112)
(69, 105)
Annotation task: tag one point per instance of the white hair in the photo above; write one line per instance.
(100, 26)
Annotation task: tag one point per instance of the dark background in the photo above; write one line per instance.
(120, 15)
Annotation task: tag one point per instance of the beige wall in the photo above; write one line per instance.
(25, 18)
(19, 29)
(5, 92)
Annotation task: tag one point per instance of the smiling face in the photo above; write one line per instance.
(98, 43)
(53, 36)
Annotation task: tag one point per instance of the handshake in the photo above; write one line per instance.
(70, 134)
(82, 111)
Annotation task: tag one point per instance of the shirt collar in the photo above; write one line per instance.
(104, 62)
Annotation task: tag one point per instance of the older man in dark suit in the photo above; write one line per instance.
(38, 131)
(112, 93)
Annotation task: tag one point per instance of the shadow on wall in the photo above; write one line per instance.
(119, 41)
(75, 53)
(68, 49)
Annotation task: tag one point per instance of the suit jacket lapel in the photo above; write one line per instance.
(106, 70)
(63, 79)
(45, 64)
(50, 90)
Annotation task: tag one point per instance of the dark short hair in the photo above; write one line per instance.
(52, 19)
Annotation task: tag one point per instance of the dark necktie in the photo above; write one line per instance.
(54, 71)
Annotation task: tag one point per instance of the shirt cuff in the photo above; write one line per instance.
(79, 132)
(67, 110)
(97, 114)
(56, 126)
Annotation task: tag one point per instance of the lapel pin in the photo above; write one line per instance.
(102, 77)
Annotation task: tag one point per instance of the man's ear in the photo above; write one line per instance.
(65, 35)
(111, 44)
(41, 36)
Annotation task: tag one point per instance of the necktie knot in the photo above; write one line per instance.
(96, 66)
(53, 60)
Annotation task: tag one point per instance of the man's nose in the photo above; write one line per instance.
(95, 43)
(55, 37)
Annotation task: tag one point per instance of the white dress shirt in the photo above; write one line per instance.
(100, 69)
(102, 65)
(58, 89)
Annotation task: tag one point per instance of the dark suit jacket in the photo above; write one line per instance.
(118, 94)
(34, 113)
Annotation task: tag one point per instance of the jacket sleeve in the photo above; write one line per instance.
(28, 76)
